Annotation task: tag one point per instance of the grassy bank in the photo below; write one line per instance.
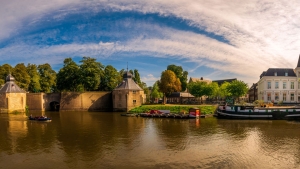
(205, 109)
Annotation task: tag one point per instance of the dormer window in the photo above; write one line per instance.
(286, 74)
(275, 74)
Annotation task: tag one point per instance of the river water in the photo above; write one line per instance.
(108, 140)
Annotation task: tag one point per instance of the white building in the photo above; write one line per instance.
(280, 84)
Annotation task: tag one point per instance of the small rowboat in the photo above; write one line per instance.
(39, 118)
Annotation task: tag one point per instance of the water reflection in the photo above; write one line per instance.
(108, 140)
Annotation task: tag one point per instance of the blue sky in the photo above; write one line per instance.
(210, 39)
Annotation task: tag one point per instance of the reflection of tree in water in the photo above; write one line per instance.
(176, 133)
(173, 132)
(87, 136)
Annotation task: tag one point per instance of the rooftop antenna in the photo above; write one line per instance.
(127, 66)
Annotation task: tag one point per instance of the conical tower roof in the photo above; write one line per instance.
(128, 83)
(10, 86)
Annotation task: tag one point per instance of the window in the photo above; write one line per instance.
(286, 74)
(134, 101)
(284, 85)
(292, 97)
(292, 85)
(269, 96)
(276, 96)
(276, 85)
(134, 92)
(275, 74)
(269, 85)
(284, 97)
(120, 97)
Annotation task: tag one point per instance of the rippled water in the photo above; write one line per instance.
(108, 140)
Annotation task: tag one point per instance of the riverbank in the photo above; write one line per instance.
(205, 109)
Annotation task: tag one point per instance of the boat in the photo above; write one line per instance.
(39, 118)
(252, 112)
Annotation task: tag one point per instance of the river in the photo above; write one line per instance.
(108, 140)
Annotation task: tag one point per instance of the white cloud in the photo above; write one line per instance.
(149, 79)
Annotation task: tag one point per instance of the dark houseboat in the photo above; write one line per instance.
(251, 112)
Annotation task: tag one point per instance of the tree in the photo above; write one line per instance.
(223, 91)
(110, 79)
(213, 89)
(91, 71)
(237, 89)
(68, 77)
(47, 78)
(182, 75)
(169, 83)
(21, 76)
(34, 85)
(156, 94)
(4, 71)
(199, 89)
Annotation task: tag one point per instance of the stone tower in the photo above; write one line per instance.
(128, 94)
(12, 97)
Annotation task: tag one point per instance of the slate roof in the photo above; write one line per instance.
(220, 82)
(279, 71)
(10, 86)
(128, 83)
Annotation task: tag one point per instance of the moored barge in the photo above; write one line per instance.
(252, 112)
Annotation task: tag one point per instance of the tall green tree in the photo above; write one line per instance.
(47, 78)
(169, 83)
(237, 88)
(199, 89)
(223, 91)
(213, 89)
(68, 77)
(155, 93)
(110, 79)
(19, 72)
(34, 85)
(5, 69)
(181, 74)
(91, 71)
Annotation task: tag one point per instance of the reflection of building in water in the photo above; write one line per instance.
(12, 97)
(17, 128)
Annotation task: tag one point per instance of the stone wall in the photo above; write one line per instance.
(16, 102)
(41, 101)
(35, 101)
(50, 97)
(87, 101)
(3, 103)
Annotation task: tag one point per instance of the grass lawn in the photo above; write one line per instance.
(175, 108)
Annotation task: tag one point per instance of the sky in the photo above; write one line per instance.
(213, 39)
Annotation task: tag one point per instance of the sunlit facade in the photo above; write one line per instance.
(280, 85)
